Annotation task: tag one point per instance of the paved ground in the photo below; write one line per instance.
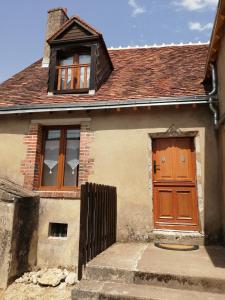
(208, 261)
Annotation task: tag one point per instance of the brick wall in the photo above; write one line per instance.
(30, 166)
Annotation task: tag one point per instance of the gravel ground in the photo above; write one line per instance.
(21, 291)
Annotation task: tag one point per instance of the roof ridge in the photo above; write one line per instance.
(159, 45)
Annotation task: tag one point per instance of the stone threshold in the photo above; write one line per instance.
(179, 237)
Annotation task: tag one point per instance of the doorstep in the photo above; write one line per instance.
(179, 237)
(143, 271)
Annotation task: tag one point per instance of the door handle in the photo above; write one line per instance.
(155, 169)
(154, 166)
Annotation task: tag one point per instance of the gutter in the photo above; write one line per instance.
(213, 97)
(104, 104)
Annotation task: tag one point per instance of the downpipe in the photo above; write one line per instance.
(213, 96)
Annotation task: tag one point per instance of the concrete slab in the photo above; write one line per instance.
(204, 262)
(112, 290)
(120, 256)
(202, 270)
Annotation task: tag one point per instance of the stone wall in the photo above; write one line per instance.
(18, 231)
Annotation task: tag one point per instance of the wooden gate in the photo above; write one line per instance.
(98, 218)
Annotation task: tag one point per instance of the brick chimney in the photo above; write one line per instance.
(56, 18)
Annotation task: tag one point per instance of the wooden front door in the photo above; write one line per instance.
(174, 182)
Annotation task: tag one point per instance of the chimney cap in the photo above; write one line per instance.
(58, 8)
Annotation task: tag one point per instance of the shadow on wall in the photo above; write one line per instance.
(24, 236)
(213, 194)
(217, 256)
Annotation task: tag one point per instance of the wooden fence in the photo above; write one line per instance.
(98, 218)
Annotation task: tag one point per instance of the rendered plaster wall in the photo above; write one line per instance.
(121, 155)
(18, 237)
(6, 228)
(221, 96)
(221, 75)
(58, 251)
(121, 151)
(12, 147)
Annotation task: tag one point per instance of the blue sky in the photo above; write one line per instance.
(122, 22)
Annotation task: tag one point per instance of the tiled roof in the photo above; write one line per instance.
(140, 73)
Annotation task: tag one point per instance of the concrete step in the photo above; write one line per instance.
(178, 237)
(169, 280)
(100, 290)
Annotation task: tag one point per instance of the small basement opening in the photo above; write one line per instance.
(58, 230)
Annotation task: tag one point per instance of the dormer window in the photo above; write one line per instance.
(79, 60)
(74, 72)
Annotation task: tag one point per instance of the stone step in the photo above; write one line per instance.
(100, 290)
(169, 280)
(178, 237)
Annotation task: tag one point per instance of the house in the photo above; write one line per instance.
(142, 119)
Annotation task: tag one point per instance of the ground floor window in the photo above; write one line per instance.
(59, 163)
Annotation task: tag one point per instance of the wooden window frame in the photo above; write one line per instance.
(75, 73)
(61, 160)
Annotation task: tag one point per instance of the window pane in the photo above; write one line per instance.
(67, 61)
(63, 78)
(50, 164)
(68, 84)
(84, 59)
(84, 77)
(72, 158)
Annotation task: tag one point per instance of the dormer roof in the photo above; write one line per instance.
(75, 27)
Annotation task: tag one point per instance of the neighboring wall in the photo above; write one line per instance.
(221, 95)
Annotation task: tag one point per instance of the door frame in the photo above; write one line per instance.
(174, 132)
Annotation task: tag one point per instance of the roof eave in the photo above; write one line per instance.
(215, 37)
(105, 104)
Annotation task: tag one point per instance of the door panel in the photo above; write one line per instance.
(183, 160)
(163, 161)
(185, 199)
(174, 181)
(165, 198)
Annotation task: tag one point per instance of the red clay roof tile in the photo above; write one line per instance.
(139, 73)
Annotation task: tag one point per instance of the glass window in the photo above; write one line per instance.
(72, 157)
(50, 162)
(61, 158)
(84, 59)
(67, 61)
(74, 72)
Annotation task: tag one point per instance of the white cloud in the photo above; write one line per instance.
(137, 9)
(196, 4)
(200, 27)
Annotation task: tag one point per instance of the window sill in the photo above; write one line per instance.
(60, 194)
(76, 91)
(58, 238)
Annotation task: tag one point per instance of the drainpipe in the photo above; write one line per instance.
(212, 96)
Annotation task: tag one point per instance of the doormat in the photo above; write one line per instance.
(177, 247)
